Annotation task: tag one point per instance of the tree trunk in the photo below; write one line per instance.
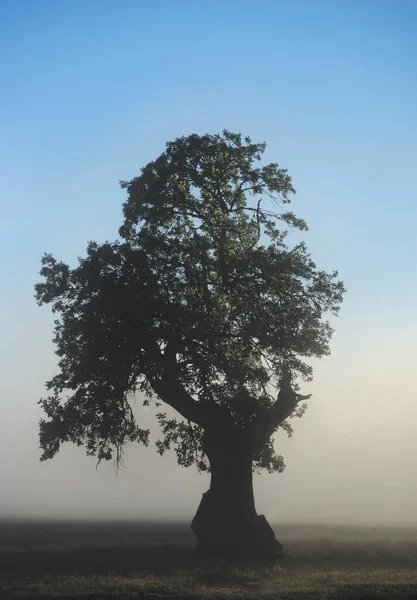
(226, 522)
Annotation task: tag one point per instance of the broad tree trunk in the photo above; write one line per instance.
(226, 522)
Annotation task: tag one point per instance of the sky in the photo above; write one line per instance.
(90, 92)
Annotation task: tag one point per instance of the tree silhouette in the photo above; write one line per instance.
(201, 306)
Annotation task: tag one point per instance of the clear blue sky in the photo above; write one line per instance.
(91, 91)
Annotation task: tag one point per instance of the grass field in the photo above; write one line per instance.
(157, 560)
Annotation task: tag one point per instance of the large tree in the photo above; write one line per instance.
(201, 306)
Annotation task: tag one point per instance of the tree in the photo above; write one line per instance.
(200, 306)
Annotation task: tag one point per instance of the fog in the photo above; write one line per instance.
(353, 458)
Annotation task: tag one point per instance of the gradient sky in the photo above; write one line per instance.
(90, 92)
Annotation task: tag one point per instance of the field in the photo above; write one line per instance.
(157, 560)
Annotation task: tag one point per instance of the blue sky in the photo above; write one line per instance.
(91, 91)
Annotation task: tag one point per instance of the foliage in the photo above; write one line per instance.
(200, 304)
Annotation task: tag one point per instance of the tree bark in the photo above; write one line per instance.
(226, 522)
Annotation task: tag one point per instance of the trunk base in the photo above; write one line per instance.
(226, 532)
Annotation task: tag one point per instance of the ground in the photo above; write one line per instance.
(157, 560)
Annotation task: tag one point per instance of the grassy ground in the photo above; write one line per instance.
(114, 560)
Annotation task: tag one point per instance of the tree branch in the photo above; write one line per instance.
(284, 405)
(172, 392)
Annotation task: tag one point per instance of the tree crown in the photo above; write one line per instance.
(200, 304)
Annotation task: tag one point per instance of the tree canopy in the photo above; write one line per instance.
(200, 305)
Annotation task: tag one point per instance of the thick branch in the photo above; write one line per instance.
(284, 405)
(172, 392)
